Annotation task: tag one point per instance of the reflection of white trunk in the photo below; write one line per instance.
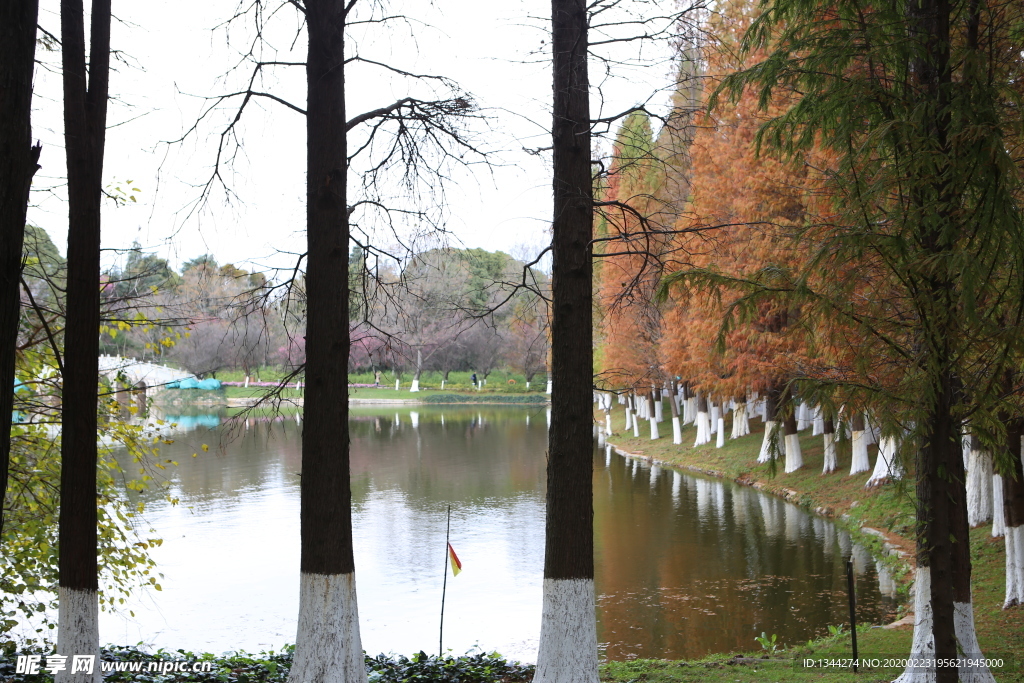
(677, 431)
(414, 417)
(1014, 542)
(78, 632)
(794, 456)
(886, 585)
(979, 482)
(860, 461)
(998, 522)
(740, 422)
(568, 633)
(769, 428)
(831, 462)
(720, 440)
(677, 485)
(886, 464)
(328, 647)
(922, 648)
(861, 559)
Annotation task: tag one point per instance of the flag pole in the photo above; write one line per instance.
(444, 584)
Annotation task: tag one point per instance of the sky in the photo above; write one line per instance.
(173, 55)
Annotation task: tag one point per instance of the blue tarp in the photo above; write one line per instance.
(193, 383)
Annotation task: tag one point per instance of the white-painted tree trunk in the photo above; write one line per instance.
(818, 422)
(690, 410)
(740, 422)
(654, 429)
(548, 391)
(998, 521)
(886, 465)
(716, 412)
(328, 648)
(922, 647)
(397, 384)
(568, 633)
(769, 427)
(860, 461)
(636, 419)
(659, 410)
(608, 422)
(802, 417)
(720, 440)
(1014, 543)
(703, 424)
(415, 385)
(794, 456)
(78, 632)
(831, 462)
(677, 431)
(979, 482)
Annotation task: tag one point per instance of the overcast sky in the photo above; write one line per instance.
(171, 55)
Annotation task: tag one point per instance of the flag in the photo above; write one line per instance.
(456, 564)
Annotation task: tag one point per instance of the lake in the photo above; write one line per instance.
(685, 565)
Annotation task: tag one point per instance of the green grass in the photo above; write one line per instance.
(889, 507)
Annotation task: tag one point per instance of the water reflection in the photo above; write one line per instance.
(685, 565)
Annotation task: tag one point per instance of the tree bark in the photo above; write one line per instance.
(1013, 513)
(568, 639)
(18, 163)
(85, 116)
(327, 646)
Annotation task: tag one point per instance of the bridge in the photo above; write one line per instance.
(140, 374)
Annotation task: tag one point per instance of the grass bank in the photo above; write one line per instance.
(882, 518)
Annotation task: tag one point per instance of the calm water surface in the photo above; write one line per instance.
(684, 565)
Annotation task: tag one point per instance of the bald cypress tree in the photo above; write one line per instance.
(568, 637)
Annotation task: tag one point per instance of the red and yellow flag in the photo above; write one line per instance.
(456, 563)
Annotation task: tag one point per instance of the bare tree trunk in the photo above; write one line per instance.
(327, 646)
(568, 638)
(18, 163)
(85, 116)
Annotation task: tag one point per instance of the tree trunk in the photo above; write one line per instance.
(85, 116)
(794, 456)
(652, 415)
(18, 163)
(859, 461)
(702, 421)
(831, 464)
(677, 427)
(568, 637)
(771, 408)
(1013, 514)
(327, 645)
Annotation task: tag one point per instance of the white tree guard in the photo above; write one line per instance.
(78, 632)
(769, 427)
(979, 487)
(328, 648)
(568, 633)
(703, 423)
(923, 644)
(998, 520)
(886, 465)
(1013, 540)
(740, 421)
(794, 456)
(831, 463)
(859, 461)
